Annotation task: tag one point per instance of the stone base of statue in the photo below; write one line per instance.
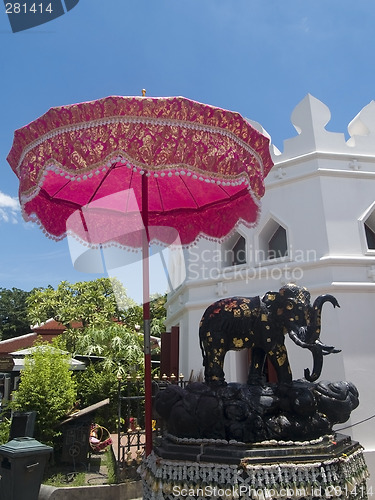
(182, 468)
(297, 411)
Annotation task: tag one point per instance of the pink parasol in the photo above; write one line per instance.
(97, 169)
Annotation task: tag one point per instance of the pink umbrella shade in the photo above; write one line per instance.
(205, 169)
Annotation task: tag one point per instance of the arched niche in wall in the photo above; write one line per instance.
(273, 241)
(234, 250)
(367, 228)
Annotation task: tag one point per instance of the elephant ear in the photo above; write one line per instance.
(271, 300)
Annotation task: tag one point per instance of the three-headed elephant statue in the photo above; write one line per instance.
(261, 323)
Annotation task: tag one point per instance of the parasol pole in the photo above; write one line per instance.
(146, 316)
(146, 312)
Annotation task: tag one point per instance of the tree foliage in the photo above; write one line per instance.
(96, 384)
(47, 387)
(13, 313)
(4, 429)
(79, 306)
(120, 348)
(134, 315)
(94, 302)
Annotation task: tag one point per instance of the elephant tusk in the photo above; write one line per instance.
(333, 351)
(328, 349)
(298, 341)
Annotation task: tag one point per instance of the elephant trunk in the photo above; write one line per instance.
(308, 337)
(317, 353)
(312, 334)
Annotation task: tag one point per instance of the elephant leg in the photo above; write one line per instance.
(214, 366)
(258, 358)
(280, 361)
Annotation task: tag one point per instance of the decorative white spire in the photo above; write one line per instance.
(310, 118)
(362, 130)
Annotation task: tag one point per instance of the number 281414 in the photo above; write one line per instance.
(24, 8)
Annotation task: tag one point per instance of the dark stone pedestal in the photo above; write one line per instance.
(299, 410)
(328, 467)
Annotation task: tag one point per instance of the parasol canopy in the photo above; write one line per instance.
(205, 168)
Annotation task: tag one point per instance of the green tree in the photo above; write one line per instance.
(47, 387)
(13, 313)
(95, 384)
(87, 302)
(4, 429)
(158, 314)
(134, 315)
(80, 305)
(134, 319)
(120, 348)
(122, 353)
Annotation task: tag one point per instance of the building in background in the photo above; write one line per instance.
(317, 229)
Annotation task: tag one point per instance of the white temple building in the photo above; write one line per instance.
(316, 229)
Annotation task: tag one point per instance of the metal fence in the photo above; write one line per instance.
(130, 432)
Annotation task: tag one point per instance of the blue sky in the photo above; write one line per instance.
(257, 57)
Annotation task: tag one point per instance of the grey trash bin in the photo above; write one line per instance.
(22, 464)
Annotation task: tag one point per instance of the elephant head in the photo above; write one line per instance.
(302, 321)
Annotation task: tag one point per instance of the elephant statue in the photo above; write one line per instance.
(261, 323)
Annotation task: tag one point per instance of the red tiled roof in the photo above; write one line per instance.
(51, 325)
(23, 342)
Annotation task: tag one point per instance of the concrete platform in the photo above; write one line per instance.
(94, 491)
(123, 491)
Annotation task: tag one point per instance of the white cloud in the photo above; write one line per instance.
(9, 208)
(304, 25)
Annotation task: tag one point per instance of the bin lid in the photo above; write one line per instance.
(24, 446)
